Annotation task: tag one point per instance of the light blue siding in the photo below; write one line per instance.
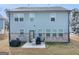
(1, 25)
(42, 21)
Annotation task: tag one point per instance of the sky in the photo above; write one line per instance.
(12, 6)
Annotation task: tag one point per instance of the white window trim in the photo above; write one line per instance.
(19, 15)
(31, 15)
(53, 15)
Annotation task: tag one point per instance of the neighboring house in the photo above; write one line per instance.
(2, 27)
(75, 21)
(50, 23)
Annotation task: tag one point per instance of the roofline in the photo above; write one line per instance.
(38, 11)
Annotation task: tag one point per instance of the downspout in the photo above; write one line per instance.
(9, 27)
(68, 27)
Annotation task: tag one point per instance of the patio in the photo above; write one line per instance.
(31, 45)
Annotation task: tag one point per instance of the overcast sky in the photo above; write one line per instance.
(10, 6)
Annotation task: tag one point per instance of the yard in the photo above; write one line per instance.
(71, 48)
(4, 46)
(52, 48)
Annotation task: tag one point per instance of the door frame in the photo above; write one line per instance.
(30, 34)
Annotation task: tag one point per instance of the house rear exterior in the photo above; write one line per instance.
(50, 23)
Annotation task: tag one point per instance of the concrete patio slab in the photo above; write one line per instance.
(31, 45)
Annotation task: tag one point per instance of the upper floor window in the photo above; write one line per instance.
(52, 19)
(18, 16)
(16, 19)
(52, 16)
(31, 19)
(21, 19)
(31, 16)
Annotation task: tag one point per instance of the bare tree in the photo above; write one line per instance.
(75, 21)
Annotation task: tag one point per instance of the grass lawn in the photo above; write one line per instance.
(71, 48)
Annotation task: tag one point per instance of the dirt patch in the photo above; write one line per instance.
(74, 37)
(4, 46)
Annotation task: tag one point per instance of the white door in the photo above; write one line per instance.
(31, 35)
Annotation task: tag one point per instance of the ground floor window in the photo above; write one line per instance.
(61, 34)
(21, 31)
(48, 34)
(40, 34)
(54, 35)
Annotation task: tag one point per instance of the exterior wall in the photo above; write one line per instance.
(2, 26)
(42, 20)
(57, 38)
(25, 38)
(17, 35)
(2, 29)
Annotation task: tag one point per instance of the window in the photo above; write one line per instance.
(21, 31)
(48, 34)
(39, 30)
(31, 16)
(18, 16)
(21, 19)
(16, 19)
(52, 19)
(54, 34)
(52, 16)
(40, 34)
(31, 19)
(60, 34)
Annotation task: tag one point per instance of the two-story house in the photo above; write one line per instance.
(50, 23)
